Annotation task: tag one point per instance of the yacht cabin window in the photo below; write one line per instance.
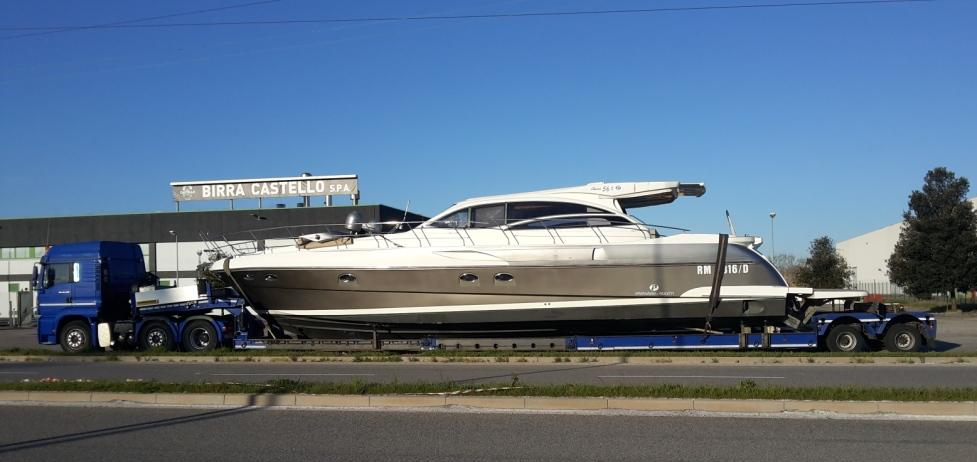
(494, 215)
(488, 216)
(458, 219)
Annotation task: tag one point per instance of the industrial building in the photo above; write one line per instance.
(174, 243)
(868, 254)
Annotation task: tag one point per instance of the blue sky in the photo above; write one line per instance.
(829, 115)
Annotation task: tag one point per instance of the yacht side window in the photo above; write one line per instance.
(519, 211)
(458, 219)
(488, 216)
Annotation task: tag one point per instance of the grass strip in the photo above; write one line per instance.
(745, 390)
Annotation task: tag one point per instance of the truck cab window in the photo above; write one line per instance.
(59, 273)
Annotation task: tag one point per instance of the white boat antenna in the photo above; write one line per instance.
(729, 219)
(406, 208)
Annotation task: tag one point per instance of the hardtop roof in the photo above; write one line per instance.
(628, 194)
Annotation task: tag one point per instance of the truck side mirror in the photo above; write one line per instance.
(34, 273)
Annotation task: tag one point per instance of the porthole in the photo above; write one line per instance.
(504, 277)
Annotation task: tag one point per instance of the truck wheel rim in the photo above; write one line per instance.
(74, 339)
(200, 338)
(846, 342)
(156, 339)
(905, 341)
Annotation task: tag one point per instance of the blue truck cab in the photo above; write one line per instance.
(98, 294)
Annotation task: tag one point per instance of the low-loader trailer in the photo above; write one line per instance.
(98, 295)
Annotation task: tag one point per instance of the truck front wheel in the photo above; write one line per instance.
(156, 336)
(199, 335)
(903, 338)
(845, 338)
(76, 337)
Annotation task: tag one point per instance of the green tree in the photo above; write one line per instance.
(825, 268)
(937, 247)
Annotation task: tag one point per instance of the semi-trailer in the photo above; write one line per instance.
(98, 295)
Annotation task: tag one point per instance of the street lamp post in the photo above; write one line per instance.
(773, 242)
(176, 242)
(10, 302)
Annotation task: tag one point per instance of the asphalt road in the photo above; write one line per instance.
(903, 375)
(147, 434)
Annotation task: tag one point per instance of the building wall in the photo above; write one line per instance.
(869, 255)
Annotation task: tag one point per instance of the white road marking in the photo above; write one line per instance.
(685, 377)
(18, 372)
(307, 374)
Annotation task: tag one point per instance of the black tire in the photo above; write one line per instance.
(904, 338)
(199, 335)
(845, 338)
(156, 336)
(76, 337)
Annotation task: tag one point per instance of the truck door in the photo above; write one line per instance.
(54, 296)
(55, 288)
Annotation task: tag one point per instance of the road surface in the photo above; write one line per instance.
(149, 434)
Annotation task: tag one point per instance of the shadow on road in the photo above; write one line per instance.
(121, 429)
(945, 346)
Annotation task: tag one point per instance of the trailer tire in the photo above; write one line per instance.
(156, 336)
(199, 335)
(845, 338)
(903, 337)
(76, 337)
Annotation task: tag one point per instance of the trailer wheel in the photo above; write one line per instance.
(845, 338)
(156, 336)
(199, 335)
(76, 337)
(903, 338)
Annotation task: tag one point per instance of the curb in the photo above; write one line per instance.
(867, 360)
(750, 406)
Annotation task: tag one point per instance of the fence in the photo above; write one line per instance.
(879, 287)
(893, 292)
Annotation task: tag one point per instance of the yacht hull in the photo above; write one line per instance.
(579, 299)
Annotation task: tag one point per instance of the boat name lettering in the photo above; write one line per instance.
(735, 268)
